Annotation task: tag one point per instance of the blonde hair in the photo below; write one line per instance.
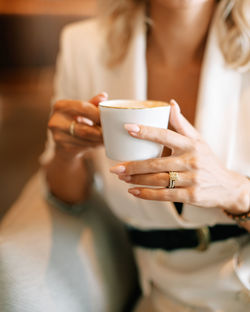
(118, 17)
(233, 24)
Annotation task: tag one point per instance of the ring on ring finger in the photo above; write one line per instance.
(173, 177)
(161, 179)
(72, 128)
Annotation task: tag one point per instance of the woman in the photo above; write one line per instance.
(197, 52)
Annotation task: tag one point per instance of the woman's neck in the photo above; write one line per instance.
(179, 30)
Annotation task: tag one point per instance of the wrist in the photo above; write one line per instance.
(240, 204)
(69, 154)
(69, 178)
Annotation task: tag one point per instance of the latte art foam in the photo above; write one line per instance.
(132, 104)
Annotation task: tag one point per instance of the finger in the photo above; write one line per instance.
(159, 179)
(165, 137)
(180, 123)
(154, 165)
(162, 194)
(84, 120)
(64, 139)
(59, 122)
(88, 133)
(99, 98)
(78, 108)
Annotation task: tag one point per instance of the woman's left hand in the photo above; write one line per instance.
(202, 179)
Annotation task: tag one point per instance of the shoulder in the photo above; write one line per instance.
(81, 33)
(83, 42)
(80, 58)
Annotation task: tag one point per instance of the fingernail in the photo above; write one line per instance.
(172, 101)
(104, 94)
(85, 121)
(132, 128)
(134, 192)
(125, 178)
(117, 169)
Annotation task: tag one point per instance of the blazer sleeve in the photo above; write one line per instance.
(64, 85)
(64, 82)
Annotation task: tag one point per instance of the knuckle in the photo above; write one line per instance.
(188, 161)
(146, 132)
(154, 164)
(168, 196)
(143, 131)
(163, 179)
(192, 195)
(195, 178)
(152, 194)
(86, 106)
(194, 162)
(164, 136)
(134, 180)
(163, 133)
(159, 135)
(197, 144)
(193, 142)
(58, 104)
(129, 168)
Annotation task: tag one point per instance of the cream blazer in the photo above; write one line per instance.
(222, 118)
(222, 115)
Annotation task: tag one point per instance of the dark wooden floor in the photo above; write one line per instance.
(24, 108)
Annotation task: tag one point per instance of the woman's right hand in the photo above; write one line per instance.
(87, 129)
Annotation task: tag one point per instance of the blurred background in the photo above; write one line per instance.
(29, 34)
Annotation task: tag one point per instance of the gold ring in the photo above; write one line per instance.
(72, 128)
(173, 176)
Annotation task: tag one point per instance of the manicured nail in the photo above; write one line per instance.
(84, 120)
(172, 101)
(132, 128)
(134, 192)
(117, 169)
(125, 178)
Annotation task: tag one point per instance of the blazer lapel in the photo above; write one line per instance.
(137, 59)
(218, 101)
(216, 118)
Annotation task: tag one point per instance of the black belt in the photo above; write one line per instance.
(183, 238)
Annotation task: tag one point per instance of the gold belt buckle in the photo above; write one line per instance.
(203, 235)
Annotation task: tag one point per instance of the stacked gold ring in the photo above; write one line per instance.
(173, 176)
(72, 128)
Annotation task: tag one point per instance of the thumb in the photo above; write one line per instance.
(180, 123)
(99, 98)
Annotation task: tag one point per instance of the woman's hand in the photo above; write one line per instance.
(202, 179)
(68, 176)
(87, 130)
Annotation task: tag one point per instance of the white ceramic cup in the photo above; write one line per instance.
(118, 143)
